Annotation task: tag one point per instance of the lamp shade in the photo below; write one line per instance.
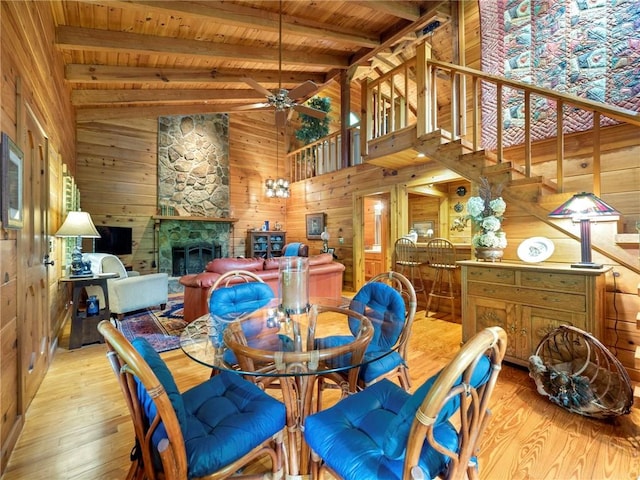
(583, 205)
(78, 224)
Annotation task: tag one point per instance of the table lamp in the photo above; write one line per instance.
(582, 207)
(324, 236)
(79, 225)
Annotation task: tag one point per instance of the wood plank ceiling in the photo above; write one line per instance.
(139, 58)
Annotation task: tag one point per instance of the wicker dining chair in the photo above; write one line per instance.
(384, 432)
(389, 299)
(212, 430)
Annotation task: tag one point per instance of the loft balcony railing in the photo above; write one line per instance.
(323, 156)
(430, 95)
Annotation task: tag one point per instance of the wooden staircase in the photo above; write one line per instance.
(534, 194)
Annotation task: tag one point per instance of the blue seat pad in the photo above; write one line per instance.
(227, 417)
(373, 369)
(221, 419)
(350, 435)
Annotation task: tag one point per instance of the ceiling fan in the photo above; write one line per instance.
(285, 101)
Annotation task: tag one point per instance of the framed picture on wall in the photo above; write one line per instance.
(11, 166)
(424, 228)
(315, 225)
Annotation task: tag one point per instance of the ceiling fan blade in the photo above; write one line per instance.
(281, 118)
(253, 106)
(257, 87)
(303, 90)
(312, 112)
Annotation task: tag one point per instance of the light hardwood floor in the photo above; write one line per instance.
(78, 427)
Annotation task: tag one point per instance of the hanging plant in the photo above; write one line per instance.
(311, 128)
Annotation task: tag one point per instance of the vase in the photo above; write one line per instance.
(489, 254)
(293, 284)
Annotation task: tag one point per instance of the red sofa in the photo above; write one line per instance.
(325, 279)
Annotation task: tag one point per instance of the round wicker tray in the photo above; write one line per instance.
(577, 372)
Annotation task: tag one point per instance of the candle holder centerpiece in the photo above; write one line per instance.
(293, 284)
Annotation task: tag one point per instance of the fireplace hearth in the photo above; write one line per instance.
(193, 259)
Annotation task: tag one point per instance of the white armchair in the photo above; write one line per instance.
(130, 291)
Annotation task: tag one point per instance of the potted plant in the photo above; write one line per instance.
(486, 212)
(311, 130)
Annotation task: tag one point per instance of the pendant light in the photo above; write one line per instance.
(280, 187)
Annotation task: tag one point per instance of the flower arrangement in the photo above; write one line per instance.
(486, 212)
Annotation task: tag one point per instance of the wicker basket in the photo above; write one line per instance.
(578, 373)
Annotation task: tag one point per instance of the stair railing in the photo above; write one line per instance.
(484, 88)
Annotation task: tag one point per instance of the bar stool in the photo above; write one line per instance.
(407, 262)
(441, 256)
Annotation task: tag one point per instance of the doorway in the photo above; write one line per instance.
(392, 221)
(376, 234)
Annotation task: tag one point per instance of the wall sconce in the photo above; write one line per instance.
(582, 207)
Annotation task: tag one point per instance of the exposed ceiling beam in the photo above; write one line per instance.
(111, 97)
(120, 112)
(82, 39)
(78, 73)
(250, 17)
(401, 10)
(397, 33)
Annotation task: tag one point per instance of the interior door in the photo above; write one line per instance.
(33, 310)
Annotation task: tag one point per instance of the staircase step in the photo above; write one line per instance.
(552, 201)
(636, 358)
(526, 192)
(497, 168)
(638, 321)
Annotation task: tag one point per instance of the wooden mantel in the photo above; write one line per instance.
(160, 218)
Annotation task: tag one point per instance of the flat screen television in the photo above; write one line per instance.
(114, 240)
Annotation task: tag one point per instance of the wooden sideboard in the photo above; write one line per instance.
(529, 300)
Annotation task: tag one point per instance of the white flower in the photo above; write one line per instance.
(475, 207)
(498, 206)
(487, 214)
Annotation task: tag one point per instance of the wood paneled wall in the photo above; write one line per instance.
(33, 76)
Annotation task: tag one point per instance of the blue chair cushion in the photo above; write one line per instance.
(398, 430)
(292, 249)
(372, 369)
(155, 362)
(227, 417)
(385, 307)
(229, 302)
(350, 435)
(221, 419)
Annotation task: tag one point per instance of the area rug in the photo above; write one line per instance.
(161, 328)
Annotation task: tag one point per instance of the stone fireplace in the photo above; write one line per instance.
(192, 243)
(193, 176)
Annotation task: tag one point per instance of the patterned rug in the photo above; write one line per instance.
(161, 328)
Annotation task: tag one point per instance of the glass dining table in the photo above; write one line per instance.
(276, 347)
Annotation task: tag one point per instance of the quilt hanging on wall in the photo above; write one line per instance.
(588, 48)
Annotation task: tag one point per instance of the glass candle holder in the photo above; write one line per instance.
(293, 284)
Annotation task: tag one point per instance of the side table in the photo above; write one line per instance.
(84, 328)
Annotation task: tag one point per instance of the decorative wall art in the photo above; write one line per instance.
(587, 48)
(315, 225)
(11, 167)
